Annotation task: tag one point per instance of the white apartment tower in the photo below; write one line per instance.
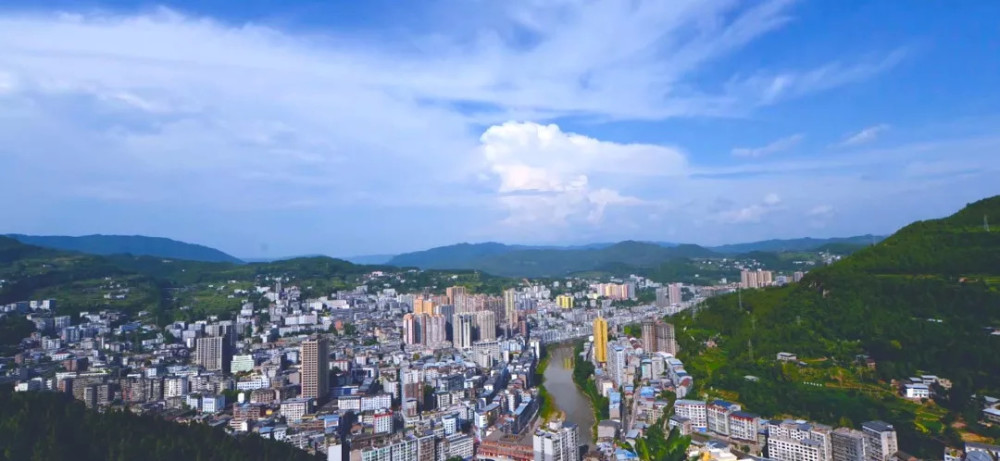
(558, 442)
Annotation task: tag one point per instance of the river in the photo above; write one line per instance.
(562, 389)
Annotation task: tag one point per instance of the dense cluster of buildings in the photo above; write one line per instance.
(636, 375)
(358, 374)
(786, 440)
(376, 375)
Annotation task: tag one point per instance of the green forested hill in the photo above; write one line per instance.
(128, 244)
(925, 300)
(515, 261)
(46, 426)
(81, 282)
(800, 244)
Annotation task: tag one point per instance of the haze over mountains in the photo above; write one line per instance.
(527, 261)
(138, 245)
(491, 257)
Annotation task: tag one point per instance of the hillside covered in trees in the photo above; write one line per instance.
(46, 426)
(925, 300)
(79, 282)
(139, 245)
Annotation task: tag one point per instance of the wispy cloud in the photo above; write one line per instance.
(776, 146)
(244, 116)
(820, 210)
(864, 136)
(752, 213)
(767, 88)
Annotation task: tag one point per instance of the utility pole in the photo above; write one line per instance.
(750, 346)
(986, 223)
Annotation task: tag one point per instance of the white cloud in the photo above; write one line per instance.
(776, 146)
(864, 136)
(545, 174)
(770, 88)
(7, 83)
(820, 216)
(820, 210)
(752, 213)
(244, 116)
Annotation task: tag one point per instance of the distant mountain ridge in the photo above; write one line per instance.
(544, 261)
(369, 259)
(138, 245)
(799, 244)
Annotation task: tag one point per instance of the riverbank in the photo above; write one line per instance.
(548, 407)
(568, 400)
(583, 377)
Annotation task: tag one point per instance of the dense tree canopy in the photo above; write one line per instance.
(925, 300)
(46, 426)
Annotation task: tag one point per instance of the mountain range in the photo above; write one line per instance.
(520, 261)
(138, 245)
(490, 257)
(539, 261)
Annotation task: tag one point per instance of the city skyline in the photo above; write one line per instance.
(693, 122)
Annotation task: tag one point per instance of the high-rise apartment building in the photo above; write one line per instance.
(564, 301)
(674, 293)
(600, 340)
(486, 326)
(411, 328)
(663, 297)
(423, 305)
(213, 353)
(880, 440)
(615, 291)
(649, 336)
(557, 442)
(617, 360)
(447, 310)
(462, 329)
(665, 339)
(315, 359)
(510, 308)
(455, 295)
(435, 330)
(756, 278)
(848, 444)
(658, 336)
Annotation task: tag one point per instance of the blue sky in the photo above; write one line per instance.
(269, 128)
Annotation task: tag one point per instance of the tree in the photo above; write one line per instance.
(659, 446)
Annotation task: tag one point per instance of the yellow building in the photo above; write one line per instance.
(423, 306)
(600, 340)
(564, 301)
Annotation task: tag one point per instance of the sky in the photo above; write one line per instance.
(271, 128)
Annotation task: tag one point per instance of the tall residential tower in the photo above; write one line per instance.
(315, 369)
(600, 340)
